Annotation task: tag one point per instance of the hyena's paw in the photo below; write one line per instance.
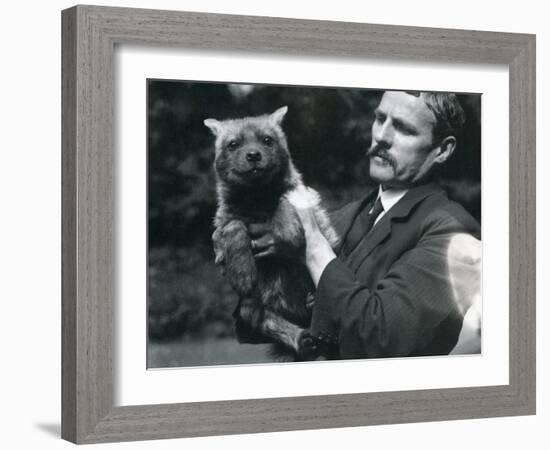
(315, 349)
(308, 349)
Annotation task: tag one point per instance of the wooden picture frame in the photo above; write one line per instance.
(90, 34)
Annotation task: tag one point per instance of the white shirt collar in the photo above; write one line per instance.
(390, 197)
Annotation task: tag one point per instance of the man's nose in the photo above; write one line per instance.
(383, 133)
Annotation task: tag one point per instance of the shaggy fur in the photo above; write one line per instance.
(254, 172)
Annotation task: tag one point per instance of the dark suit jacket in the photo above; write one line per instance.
(394, 297)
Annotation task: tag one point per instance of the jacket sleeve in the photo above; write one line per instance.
(413, 310)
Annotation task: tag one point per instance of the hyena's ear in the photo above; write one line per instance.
(278, 116)
(214, 125)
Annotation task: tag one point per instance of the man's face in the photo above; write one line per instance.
(403, 149)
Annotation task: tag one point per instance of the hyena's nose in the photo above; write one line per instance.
(253, 156)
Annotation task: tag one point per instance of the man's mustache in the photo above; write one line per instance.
(376, 150)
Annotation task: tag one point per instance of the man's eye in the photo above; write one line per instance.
(403, 129)
(268, 140)
(233, 144)
(380, 118)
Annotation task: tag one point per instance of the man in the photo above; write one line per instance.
(407, 268)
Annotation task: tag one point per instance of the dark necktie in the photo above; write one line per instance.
(362, 225)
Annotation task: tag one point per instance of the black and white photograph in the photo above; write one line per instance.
(299, 223)
(269, 225)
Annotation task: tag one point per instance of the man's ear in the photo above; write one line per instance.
(278, 116)
(446, 149)
(214, 125)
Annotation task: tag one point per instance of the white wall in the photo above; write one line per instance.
(30, 233)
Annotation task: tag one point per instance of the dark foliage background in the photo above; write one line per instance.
(328, 131)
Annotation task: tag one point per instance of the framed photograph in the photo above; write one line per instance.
(205, 155)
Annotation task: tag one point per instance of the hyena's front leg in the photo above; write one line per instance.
(233, 251)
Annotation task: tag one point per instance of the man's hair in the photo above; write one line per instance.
(449, 115)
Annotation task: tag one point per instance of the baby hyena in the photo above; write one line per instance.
(254, 172)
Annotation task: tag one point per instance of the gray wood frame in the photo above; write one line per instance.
(89, 36)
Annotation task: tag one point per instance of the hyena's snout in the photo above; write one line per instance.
(253, 156)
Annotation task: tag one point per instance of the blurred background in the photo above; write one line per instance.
(328, 132)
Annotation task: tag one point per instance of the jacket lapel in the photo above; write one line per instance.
(383, 227)
(343, 219)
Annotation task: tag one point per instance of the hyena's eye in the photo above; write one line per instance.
(233, 144)
(268, 140)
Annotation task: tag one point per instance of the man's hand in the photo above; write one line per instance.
(305, 201)
(318, 250)
(264, 243)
